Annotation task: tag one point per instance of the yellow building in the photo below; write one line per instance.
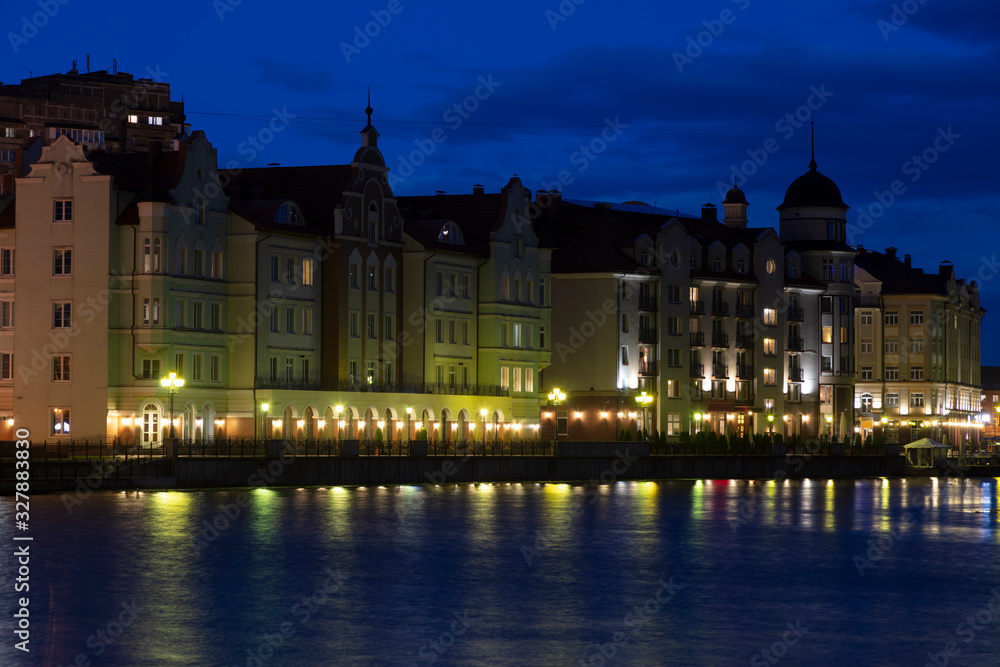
(918, 346)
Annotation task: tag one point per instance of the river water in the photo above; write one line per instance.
(870, 572)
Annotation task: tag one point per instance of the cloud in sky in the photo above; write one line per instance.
(687, 127)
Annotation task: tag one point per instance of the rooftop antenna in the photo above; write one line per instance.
(88, 63)
(114, 66)
(369, 109)
(812, 142)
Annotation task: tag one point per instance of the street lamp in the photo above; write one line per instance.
(172, 384)
(644, 400)
(556, 396)
(770, 424)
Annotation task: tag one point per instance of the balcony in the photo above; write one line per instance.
(795, 375)
(647, 302)
(292, 383)
(648, 368)
(744, 372)
(868, 301)
(697, 370)
(744, 310)
(697, 307)
(744, 341)
(720, 309)
(796, 315)
(720, 340)
(795, 344)
(720, 371)
(647, 335)
(423, 388)
(697, 338)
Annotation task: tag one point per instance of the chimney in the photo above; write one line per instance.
(890, 253)
(861, 248)
(945, 269)
(906, 260)
(478, 189)
(708, 212)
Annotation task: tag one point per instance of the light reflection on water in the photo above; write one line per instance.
(544, 574)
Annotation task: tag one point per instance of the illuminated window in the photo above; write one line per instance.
(843, 334)
(827, 334)
(826, 394)
(770, 317)
(769, 376)
(60, 367)
(769, 347)
(60, 421)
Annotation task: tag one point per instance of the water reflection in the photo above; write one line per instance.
(547, 571)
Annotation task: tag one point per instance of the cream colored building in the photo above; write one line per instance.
(918, 350)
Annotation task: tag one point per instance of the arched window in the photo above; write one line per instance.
(373, 223)
(146, 260)
(180, 257)
(289, 214)
(450, 233)
(156, 255)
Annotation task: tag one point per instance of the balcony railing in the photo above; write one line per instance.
(796, 315)
(795, 375)
(697, 307)
(647, 335)
(424, 388)
(697, 338)
(744, 310)
(720, 340)
(720, 309)
(795, 344)
(744, 341)
(720, 370)
(744, 372)
(293, 383)
(648, 368)
(868, 301)
(697, 370)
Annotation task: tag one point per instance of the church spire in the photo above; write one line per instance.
(812, 142)
(369, 109)
(369, 135)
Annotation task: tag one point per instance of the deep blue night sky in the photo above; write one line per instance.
(692, 90)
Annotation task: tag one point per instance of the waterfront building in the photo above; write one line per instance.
(918, 350)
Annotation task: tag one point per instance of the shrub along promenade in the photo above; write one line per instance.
(242, 462)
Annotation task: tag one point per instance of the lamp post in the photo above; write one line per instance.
(336, 411)
(644, 400)
(556, 397)
(483, 413)
(172, 384)
(770, 424)
(263, 426)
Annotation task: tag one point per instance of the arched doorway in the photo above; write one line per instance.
(151, 426)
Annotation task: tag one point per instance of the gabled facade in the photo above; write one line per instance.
(918, 351)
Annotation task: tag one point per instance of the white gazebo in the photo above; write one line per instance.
(925, 453)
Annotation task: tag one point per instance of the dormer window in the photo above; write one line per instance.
(716, 264)
(644, 258)
(289, 214)
(793, 271)
(372, 224)
(741, 266)
(451, 234)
